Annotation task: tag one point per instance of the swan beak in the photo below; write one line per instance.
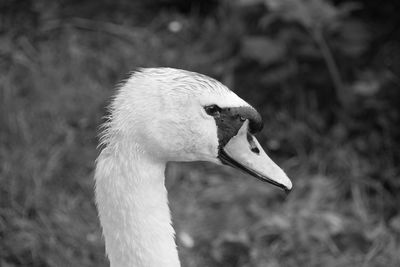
(245, 153)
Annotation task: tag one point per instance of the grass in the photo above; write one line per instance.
(54, 88)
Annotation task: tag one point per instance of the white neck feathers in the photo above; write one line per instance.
(133, 209)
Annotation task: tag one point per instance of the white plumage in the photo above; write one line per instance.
(157, 116)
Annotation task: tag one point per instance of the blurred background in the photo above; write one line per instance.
(325, 75)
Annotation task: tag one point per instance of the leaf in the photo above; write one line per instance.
(263, 50)
(395, 223)
(245, 3)
(368, 83)
(186, 239)
(311, 14)
(353, 37)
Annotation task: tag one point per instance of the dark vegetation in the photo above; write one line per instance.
(325, 75)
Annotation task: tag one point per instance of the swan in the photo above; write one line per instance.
(160, 115)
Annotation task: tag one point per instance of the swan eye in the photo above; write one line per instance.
(213, 110)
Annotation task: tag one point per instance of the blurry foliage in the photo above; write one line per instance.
(306, 26)
(324, 74)
(314, 53)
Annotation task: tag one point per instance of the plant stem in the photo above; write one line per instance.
(343, 96)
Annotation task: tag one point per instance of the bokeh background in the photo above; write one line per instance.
(324, 74)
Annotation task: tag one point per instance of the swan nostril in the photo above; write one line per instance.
(253, 146)
(255, 150)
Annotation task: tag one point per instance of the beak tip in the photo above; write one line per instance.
(288, 186)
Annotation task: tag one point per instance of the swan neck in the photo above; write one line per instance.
(133, 209)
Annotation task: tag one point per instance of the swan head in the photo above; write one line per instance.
(176, 115)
